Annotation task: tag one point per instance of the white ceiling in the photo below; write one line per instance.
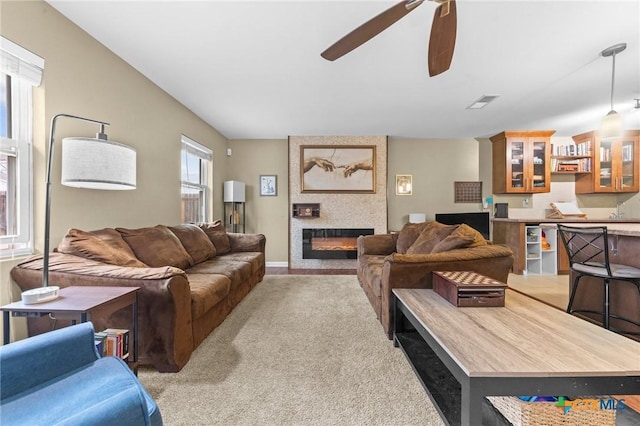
(252, 69)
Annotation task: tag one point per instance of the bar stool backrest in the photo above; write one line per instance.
(586, 245)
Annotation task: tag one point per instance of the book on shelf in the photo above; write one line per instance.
(100, 339)
(117, 342)
(572, 165)
(581, 149)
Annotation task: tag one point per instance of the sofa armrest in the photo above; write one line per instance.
(45, 357)
(247, 242)
(165, 335)
(377, 244)
(414, 270)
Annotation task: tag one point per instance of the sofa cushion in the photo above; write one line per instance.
(207, 290)
(430, 237)
(254, 258)
(408, 235)
(237, 271)
(157, 246)
(104, 245)
(463, 236)
(218, 236)
(194, 241)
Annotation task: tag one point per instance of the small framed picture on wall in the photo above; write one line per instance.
(268, 185)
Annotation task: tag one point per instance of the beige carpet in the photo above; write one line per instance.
(298, 350)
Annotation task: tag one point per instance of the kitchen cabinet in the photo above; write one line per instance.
(521, 162)
(616, 164)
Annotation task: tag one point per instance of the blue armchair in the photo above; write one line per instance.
(59, 378)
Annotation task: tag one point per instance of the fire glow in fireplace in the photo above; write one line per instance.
(331, 243)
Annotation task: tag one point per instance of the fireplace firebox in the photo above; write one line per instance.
(331, 243)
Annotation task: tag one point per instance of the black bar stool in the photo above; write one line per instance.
(588, 250)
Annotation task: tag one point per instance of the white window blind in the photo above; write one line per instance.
(17, 61)
(196, 160)
(24, 71)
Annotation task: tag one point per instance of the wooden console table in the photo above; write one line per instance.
(79, 303)
(463, 355)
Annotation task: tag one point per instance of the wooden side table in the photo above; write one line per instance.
(79, 303)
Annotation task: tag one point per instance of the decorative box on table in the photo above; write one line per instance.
(469, 289)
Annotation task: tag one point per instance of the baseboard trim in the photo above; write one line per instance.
(277, 264)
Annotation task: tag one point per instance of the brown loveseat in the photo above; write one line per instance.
(190, 278)
(407, 259)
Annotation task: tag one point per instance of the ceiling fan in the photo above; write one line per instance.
(441, 42)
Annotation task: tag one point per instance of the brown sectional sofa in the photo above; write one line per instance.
(190, 278)
(407, 259)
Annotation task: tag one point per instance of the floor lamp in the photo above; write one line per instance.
(93, 163)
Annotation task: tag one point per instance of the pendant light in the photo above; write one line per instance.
(612, 122)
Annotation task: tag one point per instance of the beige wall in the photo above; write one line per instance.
(82, 77)
(435, 165)
(264, 215)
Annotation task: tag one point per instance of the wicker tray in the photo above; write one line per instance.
(522, 413)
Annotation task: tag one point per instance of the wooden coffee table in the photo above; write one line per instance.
(462, 355)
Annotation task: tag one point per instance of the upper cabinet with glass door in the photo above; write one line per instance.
(616, 164)
(521, 162)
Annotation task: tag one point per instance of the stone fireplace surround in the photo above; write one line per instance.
(337, 210)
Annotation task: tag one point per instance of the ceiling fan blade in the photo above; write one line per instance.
(369, 29)
(443, 38)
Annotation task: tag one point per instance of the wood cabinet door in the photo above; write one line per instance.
(616, 165)
(539, 163)
(518, 169)
(627, 165)
(528, 165)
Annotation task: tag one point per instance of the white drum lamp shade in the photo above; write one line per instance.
(98, 164)
(417, 217)
(233, 192)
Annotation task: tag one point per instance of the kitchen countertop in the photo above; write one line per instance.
(629, 227)
(565, 220)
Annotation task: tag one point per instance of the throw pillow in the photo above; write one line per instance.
(463, 237)
(157, 246)
(195, 241)
(218, 236)
(408, 235)
(104, 245)
(430, 237)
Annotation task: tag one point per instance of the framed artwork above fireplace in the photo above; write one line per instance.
(338, 168)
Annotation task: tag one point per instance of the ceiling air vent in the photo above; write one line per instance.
(482, 102)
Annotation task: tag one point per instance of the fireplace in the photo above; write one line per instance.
(331, 243)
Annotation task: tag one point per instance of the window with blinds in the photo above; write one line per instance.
(196, 162)
(20, 71)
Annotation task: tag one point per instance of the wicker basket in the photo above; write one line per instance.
(522, 413)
